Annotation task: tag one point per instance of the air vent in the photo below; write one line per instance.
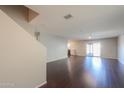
(68, 16)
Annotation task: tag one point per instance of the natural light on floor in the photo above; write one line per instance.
(97, 63)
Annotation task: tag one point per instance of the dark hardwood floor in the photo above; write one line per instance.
(85, 72)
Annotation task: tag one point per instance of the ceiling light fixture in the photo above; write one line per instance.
(89, 37)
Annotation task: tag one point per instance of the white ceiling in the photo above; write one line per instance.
(95, 21)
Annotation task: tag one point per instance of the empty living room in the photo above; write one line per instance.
(61, 46)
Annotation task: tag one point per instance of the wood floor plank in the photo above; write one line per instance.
(85, 72)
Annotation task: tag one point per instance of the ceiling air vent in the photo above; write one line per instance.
(68, 16)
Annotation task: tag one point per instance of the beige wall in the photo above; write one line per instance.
(22, 58)
(77, 47)
(56, 46)
(19, 14)
(121, 48)
(108, 47)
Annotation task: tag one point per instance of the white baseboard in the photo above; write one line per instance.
(93, 56)
(56, 59)
(41, 84)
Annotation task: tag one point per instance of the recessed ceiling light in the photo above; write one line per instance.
(89, 37)
(68, 16)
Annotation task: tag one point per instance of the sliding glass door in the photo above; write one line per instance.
(93, 49)
(89, 49)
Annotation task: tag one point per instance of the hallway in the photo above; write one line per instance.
(85, 72)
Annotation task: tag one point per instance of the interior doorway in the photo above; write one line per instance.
(93, 49)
